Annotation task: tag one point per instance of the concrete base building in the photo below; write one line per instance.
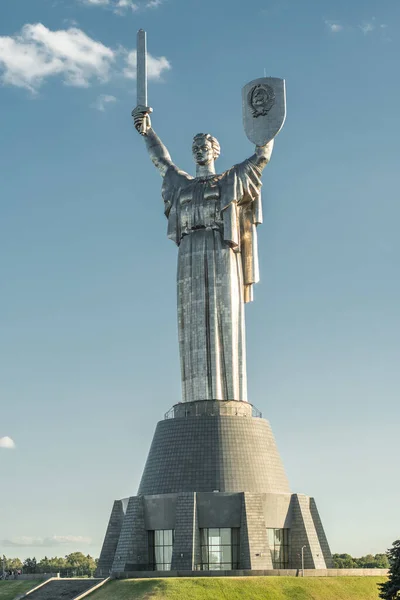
(214, 496)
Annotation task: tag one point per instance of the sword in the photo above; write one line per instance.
(141, 74)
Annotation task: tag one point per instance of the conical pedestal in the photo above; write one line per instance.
(213, 496)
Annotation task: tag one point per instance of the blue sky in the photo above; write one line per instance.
(88, 348)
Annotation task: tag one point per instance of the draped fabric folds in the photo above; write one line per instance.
(213, 221)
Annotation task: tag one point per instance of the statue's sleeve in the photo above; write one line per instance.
(242, 212)
(249, 182)
(174, 180)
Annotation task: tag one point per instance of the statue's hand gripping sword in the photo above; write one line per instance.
(141, 81)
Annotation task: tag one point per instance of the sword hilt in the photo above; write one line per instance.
(147, 110)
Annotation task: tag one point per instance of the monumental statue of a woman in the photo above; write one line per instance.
(212, 218)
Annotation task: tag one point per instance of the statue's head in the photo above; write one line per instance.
(205, 148)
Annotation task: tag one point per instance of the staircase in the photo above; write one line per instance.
(62, 589)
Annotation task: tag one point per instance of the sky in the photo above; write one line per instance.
(88, 338)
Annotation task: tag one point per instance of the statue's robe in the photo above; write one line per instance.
(213, 221)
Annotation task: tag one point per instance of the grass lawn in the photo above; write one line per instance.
(242, 588)
(10, 589)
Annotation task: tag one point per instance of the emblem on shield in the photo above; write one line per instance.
(264, 109)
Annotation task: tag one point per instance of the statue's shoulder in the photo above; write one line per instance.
(175, 176)
(235, 171)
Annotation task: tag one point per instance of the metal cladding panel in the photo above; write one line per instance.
(213, 453)
(160, 511)
(219, 509)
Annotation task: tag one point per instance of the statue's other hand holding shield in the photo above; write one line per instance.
(141, 118)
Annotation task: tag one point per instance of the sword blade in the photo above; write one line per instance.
(141, 68)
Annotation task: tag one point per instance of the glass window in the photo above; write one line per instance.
(214, 556)
(203, 537)
(226, 552)
(219, 549)
(161, 542)
(226, 537)
(271, 540)
(278, 541)
(159, 537)
(168, 537)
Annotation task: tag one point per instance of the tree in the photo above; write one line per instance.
(12, 564)
(79, 564)
(343, 561)
(382, 561)
(390, 590)
(29, 565)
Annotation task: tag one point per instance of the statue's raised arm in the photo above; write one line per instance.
(157, 150)
(262, 155)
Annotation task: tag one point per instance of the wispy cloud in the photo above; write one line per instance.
(368, 26)
(372, 25)
(103, 101)
(334, 26)
(122, 7)
(46, 542)
(7, 442)
(36, 54)
(153, 3)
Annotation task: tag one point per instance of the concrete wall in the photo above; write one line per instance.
(254, 549)
(262, 573)
(277, 513)
(304, 533)
(321, 534)
(186, 536)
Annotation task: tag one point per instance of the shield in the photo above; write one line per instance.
(264, 109)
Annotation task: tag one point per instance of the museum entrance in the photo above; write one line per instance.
(219, 549)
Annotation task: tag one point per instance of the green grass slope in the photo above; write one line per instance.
(242, 588)
(10, 589)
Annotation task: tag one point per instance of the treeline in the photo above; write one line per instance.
(77, 564)
(345, 561)
(72, 565)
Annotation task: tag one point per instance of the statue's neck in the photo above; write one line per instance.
(205, 170)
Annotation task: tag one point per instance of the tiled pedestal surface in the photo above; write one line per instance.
(213, 464)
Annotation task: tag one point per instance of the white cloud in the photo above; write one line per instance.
(102, 101)
(121, 7)
(155, 66)
(7, 442)
(333, 26)
(37, 53)
(46, 542)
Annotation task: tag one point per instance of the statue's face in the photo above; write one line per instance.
(203, 152)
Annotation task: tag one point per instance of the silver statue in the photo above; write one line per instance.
(212, 218)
